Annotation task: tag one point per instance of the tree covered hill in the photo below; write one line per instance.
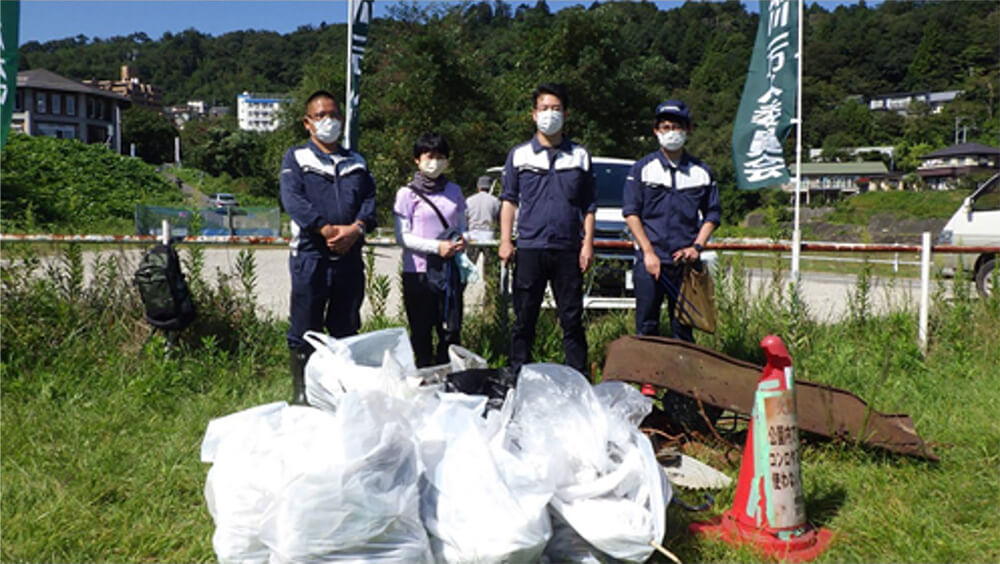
(467, 70)
(191, 65)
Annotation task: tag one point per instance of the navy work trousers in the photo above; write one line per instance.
(649, 294)
(425, 311)
(325, 294)
(533, 270)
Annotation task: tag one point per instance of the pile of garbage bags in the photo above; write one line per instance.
(385, 467)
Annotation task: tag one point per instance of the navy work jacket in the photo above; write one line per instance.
(552, 194)
(672, 200)
(319, 188)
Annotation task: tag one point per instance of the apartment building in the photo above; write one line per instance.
(259, 112)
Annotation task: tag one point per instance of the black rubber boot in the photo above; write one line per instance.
(297, 362)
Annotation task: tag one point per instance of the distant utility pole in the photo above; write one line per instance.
(965, 129)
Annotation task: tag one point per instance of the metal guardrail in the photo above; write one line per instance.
(383, 241)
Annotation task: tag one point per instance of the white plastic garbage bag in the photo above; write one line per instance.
(315, 486)
(478, 502)
(379, 360)
(566, 545)
(555, 426)
(609, 487)
(239, 489)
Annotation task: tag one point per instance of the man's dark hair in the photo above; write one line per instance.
(320, 94)
(430, 143)
(554, 88)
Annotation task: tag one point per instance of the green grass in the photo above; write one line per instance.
(931, 204)
(101, 427)
(850, 212)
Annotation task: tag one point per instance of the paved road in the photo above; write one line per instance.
(187, 189)
(826, 294)
(273, 283)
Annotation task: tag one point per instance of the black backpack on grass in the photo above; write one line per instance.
(164, 290)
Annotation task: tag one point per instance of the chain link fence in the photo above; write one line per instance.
(229, 221)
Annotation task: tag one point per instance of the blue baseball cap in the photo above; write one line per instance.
(673, 109)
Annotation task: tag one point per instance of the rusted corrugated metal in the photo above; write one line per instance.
(728, 383)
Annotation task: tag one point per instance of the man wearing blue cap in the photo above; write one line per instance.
(671, 206)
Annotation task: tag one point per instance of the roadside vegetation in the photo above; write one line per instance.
(101, 423)
(65, 186)
(209, 184)
(931, 204)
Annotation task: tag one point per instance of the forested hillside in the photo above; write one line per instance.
(467, 70)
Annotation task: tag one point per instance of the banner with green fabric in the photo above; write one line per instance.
(10, 17)
(767, 107)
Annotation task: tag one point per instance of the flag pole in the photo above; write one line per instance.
(796, 233)
(348, 95)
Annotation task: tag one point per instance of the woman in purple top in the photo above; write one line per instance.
(430, 226)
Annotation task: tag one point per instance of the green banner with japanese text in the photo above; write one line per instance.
(10, 17)
(767, 107)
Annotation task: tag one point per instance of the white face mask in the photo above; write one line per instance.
(549, 122)
(432, 168)
(327, 130)
(671, 140)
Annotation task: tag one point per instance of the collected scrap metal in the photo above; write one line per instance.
(727, 383)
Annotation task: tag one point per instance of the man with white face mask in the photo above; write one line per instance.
(330, 196)
(549, 182)
(671, 206)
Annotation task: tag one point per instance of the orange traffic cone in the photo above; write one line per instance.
(768, 509)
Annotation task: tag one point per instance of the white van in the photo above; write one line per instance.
(612, 276)
(977, 224)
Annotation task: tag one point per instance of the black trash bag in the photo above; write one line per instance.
(490, 382)
(163, 289)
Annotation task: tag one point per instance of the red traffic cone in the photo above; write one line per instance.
(769, 509)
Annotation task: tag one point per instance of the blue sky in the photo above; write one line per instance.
(45, 20)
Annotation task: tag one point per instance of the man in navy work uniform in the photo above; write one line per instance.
(671, 206)
(549, 182)
(330, 195)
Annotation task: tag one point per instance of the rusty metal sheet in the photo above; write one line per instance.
(726, 382)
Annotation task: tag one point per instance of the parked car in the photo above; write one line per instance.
(976, 223)
(224, 200)
(612, 275)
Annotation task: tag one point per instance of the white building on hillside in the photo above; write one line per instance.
(258, 112)
(900, 102)
(816, 155)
